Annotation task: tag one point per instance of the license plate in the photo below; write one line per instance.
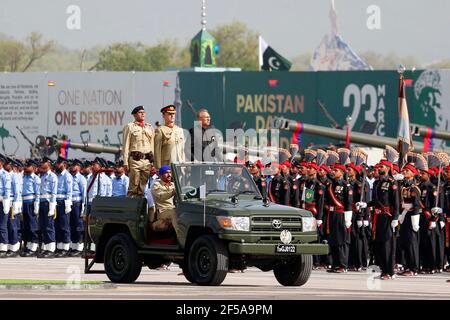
(285, 248)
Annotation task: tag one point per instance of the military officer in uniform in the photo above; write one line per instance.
(410, 219)
(63, 208)
(47, 209)
(79, 188)
(339, 199)
(5, 207)
(386, 205)
(278, 187)
(445, 225)
(138, 152)
(163, 193)
(169, 140)
(14, 215)
(120, 181)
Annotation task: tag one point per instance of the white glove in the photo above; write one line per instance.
(433, 224)
(401, 218)
(51, 209)
(415, 222)
(82, 210)
(20, 206)
(16, 207)
(6, 205)
(398, 177)
(348, 218)
(68, 205)
(366, 223)
(442, 223)
(361, 205)
(394, 224)
(36, 208)
(319, 223)
(359, 223)
(436, 210)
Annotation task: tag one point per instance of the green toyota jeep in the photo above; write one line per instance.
(223, 223)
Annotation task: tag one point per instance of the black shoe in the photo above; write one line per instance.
(75, 253)
(12, 254)
(46, 255)
(28, 253)
(3, 254)
(61, 254)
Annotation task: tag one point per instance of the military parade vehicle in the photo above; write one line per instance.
(223, 223)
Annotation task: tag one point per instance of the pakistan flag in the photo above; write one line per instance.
(270, 60)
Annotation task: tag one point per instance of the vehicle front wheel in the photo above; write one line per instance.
(122, 263)
(295, 272)
(208, 261)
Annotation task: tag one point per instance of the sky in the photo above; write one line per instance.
(420, 28)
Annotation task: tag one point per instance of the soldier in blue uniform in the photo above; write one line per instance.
(30, 208)
(120, 181)
(5, 196)
(63, 208)
(14, 215)
(47, 209)
(100, 187)
(78, 199)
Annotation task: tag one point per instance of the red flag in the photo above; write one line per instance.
(166, 83)
(404, 136)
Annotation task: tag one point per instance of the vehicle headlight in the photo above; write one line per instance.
(309, 224)
(234, 223)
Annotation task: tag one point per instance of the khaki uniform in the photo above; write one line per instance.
(165, 215)
(140, 139)
(169, 145)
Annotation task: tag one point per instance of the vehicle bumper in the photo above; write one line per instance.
(269, 249)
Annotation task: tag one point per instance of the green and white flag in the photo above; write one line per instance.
(270, 60)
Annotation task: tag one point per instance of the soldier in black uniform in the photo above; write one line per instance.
(427, 244)
(409, 219)
(446, 209)
(339, 199)
(358, 244)
(294, 181)
(386, 205)
(314, 201)
(255, 171)
(279, 187)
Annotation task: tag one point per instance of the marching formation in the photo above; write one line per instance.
(395, 218)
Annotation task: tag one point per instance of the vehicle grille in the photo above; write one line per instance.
(264, 224)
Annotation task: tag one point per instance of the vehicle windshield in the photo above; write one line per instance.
(227, 179)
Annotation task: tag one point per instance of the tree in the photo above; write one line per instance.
(301, 62)
(36, 48)
(388, 61)
(122, 57)
(238, 46)
(12, 53)
(18, 56)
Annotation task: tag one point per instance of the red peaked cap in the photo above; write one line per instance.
(325, 168)
(386, 163)
(339, 166)
(354, 167)
(287, 163)
(411, 168)
(259, 164)
(395, 167)
(313, 165)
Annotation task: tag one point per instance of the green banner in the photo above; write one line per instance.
(252, 99)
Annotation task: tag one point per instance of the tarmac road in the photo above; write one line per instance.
(252, 284)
